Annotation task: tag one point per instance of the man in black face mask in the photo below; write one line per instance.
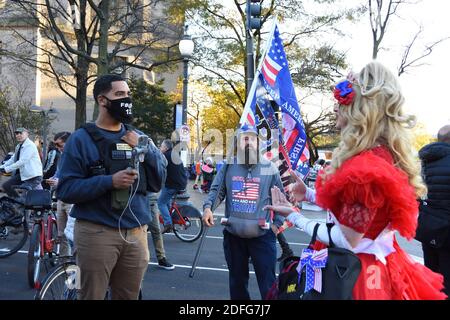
(110, 199)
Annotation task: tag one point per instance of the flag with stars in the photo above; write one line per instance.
(276, 78)
(272, 90)
(273, 85)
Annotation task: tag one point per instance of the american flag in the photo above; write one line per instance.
(245, 190)
(274, 61)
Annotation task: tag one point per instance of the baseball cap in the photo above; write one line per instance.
(21, 130)
(246, 128)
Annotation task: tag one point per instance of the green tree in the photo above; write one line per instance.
(98, 37)
(220, 39)
(220, 55)
(152, 109)
(15, 114)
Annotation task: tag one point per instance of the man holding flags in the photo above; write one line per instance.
(246, 180)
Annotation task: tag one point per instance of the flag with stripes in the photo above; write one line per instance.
(245, 190)
(273, 86)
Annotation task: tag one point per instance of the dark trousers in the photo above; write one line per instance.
(33, 183)
(438, 260)
(263, 253)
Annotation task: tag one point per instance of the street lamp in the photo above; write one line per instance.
(186, 47)
(46, 117)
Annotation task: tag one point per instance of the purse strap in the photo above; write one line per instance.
(330, 242)
(314, 236)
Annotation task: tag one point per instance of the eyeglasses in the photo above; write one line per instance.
(18, 132)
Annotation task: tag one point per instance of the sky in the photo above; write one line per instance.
(425, 88)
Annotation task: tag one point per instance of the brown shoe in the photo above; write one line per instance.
(167, 228)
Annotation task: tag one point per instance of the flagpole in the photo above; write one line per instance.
(258, 71)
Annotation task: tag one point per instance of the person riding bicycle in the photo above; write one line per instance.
(110, 198)
(176, 181)
(25, 165)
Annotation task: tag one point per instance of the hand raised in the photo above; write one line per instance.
(131, 137)
(279, 203)
(298, 189)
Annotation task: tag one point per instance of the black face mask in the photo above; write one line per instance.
(121, 109)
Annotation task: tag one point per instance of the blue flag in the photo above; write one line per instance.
(273, 87)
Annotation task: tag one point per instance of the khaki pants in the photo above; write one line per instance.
(106, 259)
(155, 231)
(62, 212)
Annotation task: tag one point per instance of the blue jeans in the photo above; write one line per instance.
(263, 252)
(164, 203)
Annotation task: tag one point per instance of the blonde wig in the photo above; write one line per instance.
(376, 117)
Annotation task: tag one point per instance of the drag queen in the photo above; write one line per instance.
(371, 189)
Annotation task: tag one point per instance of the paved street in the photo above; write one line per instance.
(210, 281)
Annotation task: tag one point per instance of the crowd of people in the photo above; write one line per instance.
(371, 190)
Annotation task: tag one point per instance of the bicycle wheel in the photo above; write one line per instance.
(34, 256)
(61, 283)
(12, 237)
(53, 246)
(191, 228)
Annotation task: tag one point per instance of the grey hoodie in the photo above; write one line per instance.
(247, 192)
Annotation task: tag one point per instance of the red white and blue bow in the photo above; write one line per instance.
(313, 261)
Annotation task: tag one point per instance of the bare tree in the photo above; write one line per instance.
(380, 12)
(413, 61)
(95, 38)
(321, 132)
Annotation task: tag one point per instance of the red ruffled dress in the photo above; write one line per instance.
(371, 196)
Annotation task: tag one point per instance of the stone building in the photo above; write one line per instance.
(35, 86)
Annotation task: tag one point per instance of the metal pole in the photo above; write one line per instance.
(197, 254)
(249, 49)
(185, 90)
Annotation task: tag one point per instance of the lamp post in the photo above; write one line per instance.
(186, 47)
(46, 117)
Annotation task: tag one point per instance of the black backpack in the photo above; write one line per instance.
(338, 277)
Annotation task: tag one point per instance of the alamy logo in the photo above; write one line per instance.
(73, 277)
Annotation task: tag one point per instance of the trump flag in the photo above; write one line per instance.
(273, 90)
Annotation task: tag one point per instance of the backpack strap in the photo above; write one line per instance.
(93, 131)
(128, 127)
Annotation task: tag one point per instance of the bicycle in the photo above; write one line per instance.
(13, 231)
(63, 283)
(43, 247)
(186, 219)
(14, 227)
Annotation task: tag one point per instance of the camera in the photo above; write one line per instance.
(139, 151)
